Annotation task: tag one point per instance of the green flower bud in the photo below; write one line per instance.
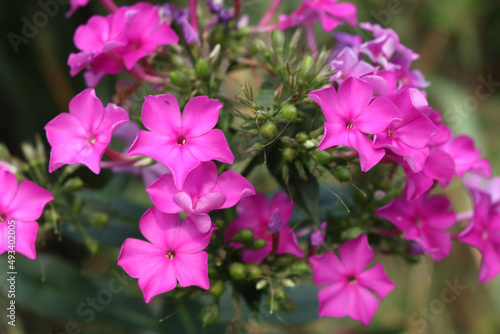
(279, 293)
(253, 270)
(323, 157)
(269, 130)
(208, 315)
(202, 68)
(278, 38)
(342, 174)
(73, 184)
(300, 268)
(289, 112)
(217, 288)
(288, 154)
(92, 246)
(237, 271)
(259, 244)
(244, 236)
(178, 79)
(307, 65)
(284, 260)
(99, 219)
(301, 137)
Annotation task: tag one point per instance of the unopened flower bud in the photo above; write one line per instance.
(202, 68)
(217, 288)
(288, 154)
(275, 223)
(208, 315)
(269, 130)
(289, 112)
(342, 174)
(259, 244)
(253, 270)
(237, 271)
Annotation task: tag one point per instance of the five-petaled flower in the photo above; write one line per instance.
(202, 192)
(83, 134)
(174, 253)
(350, 287)
(181, 142)
(351, 113)
(20, 205)
(264, 219)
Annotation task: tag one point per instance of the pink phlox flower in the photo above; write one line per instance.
(127, 133)
(203, 191)
(408, 78)
(83, 134)
(144, 31)
(171, 13)
(75, 5)
(491, 187)
(386, 45)
(424, 220)
(116, 42)
(255, 212)
(173, 252)
(344, 40)
(483, 233)
(181, 142)
(22, 204)
(410, 136)
(348, 64)
(350, 114)
(351, 288)
(328, 12)
(96, 40)
(467, 158)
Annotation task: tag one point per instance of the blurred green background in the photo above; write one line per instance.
(459, 44)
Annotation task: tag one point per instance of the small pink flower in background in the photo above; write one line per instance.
(410, 136)
(350, 114)
(491, 187)
(75, 5)
(22, 204)
(348, 64)
(144, 32)
(351, 288)
(424, 220)
(484, 233)
(467, 158)
(181, 142)
(255, 213)
(83, 134)
(328, 12)
(173, 252)
(202, 192)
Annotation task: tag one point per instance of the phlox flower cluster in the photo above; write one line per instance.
(372, 105)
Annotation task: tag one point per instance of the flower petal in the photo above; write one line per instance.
(376, 280)
(211, 146)
(29, 202)
(327, 269)
(288, 242)
(234, 187)
(377, 116)
(328, 101)
(192, 269)
(88, 109)
(25, 238)
(284, 204)
(356, 254)
(161, 113)
(9, 187)
(200, 115)
(354, 95)
(189, 239)
(162, 193)
(160, 228)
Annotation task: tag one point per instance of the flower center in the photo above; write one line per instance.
(181, 140)
(170, 254)
(352, 280)
(349, 124)
(92, 140)
(3, 217)
(389, 133)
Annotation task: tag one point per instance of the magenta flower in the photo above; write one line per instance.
(83, 134)
(491, 187)
(144, 31)
(256, 213)
(22, 204)
(181, 143)
(467, 157)
(410, 136)
(484, 234)
(351, 113)
(328, 12)
(174, 253)
(350, 287)
(425, 221)
(348, 64)
(202, 192)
